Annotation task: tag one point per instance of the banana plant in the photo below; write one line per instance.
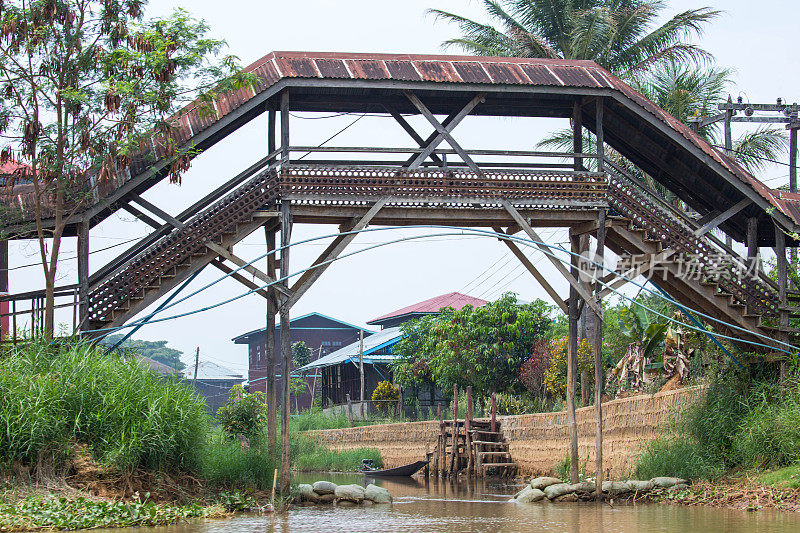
(645, 336)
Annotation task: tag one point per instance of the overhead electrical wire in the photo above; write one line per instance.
(492, 234)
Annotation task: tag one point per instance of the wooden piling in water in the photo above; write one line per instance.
(453, 465)
(468, 438)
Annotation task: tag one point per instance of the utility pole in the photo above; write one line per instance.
(745, 112)
(361, 367)
(196, 363)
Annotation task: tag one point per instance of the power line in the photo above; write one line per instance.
(488, 233)
(74, 256)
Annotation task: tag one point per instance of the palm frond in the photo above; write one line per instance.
(668, 40)
(476, 37)
(757, 149)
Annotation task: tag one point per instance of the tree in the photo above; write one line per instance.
(483, 347)
(620, 35)
(155, 350)
(301, 354)
(86, 86)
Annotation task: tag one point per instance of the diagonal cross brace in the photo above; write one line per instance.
(330, 254)
(532, 269)
(413, 133)
(574, 283)
(239, 262)
(444, 131)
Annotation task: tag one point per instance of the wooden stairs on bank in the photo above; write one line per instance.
(475, 447)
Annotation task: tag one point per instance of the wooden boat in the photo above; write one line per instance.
(400, 471)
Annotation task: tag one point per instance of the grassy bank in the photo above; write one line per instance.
(740, 427)
(54, 397)
(71, 410)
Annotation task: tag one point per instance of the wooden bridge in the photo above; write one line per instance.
(441, 182)
(512, 192)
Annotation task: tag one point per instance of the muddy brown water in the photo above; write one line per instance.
(484, 506)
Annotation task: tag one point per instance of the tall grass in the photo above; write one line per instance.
(53, 396)
(308, 455)
(224, 463)
(736, 424)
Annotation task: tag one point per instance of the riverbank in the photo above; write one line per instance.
(745, 495)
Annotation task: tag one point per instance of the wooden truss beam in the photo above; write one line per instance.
(715, 218)
(163, 215)
(617, 279)
(443, 131)
(238, 277)
(411, 131)
(244, 265)
(532, 269)
(330, 254)
(574, 283)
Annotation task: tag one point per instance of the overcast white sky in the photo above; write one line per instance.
(758, 39)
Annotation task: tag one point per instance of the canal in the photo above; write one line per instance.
(483, 506)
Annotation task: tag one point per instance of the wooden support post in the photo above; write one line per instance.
(442, 448)
(83, 275)
(269, 351)
(349, 409)
(361, 370)
(285, 127)
(793, 182)
(600, 135)
(577, 135)
(467, 432)
(271, 133)
(493, 424)
(399, 402)
(586, 315)
(783, 283)
(599, 375)
(728, 136)
(286, 346)
(572, 364)
(752, 238)
(454, 457)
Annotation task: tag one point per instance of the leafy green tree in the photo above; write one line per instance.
(85, 85)
(620, 35)
(301, 354)
(483, 347)
(155, 350)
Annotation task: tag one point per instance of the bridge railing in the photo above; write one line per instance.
(391, 156)
(22, 314)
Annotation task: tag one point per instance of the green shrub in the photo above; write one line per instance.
(385, 397)
(55, 395)
(243, 414)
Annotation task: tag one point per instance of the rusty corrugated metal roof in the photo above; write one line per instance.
(473, 70)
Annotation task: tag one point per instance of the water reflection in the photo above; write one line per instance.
(483, 506)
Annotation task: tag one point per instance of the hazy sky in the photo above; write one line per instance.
(757, 39)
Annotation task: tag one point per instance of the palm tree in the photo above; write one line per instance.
(685, 91)
(620, 35)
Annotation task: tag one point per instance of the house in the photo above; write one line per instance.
(340, 369)
(321, 333)
(214, 382)
(455, 300)
(159, 368)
